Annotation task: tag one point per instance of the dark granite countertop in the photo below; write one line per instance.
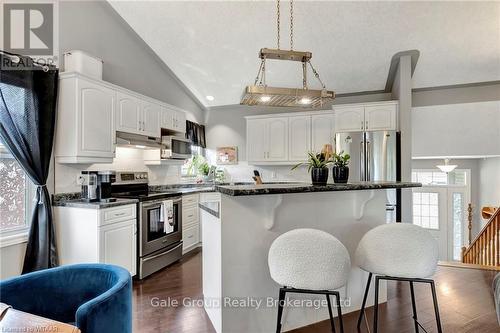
(182, 188)
(79, 203)
(241, 190)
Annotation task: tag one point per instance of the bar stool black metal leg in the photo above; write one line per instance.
(436, 307)
(339, 311)
(375, 311)
(330, 312)
(281, 300)
(414, 306)
(362, 311)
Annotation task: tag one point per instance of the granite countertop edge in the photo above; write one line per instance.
(237, 190)
(79, 203)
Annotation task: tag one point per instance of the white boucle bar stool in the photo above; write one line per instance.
(400, 252)
(309, 261)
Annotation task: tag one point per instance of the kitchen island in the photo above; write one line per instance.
(240, 222)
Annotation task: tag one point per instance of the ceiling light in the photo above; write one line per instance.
(210, 98)
(260, 94)
(446, 167)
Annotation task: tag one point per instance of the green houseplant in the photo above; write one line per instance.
(340, 167)
(317, 165)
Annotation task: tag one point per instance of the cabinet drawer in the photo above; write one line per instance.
(190, 237)
(188, 200)
(189, 215)
(115, 214)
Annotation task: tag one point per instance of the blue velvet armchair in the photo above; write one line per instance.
(96, 298)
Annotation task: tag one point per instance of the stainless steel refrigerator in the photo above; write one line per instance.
(375, 156)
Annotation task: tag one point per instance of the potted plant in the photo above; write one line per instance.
(340, 167)
(317, 165)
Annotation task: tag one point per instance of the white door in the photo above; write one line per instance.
(299, 137)
(151, 117)
(322, 130)
(380, 117)
(430, 212)
(128, 115)
(117, 245)
(349, 119)
(277, 133)
(96, 127)
(256, 140)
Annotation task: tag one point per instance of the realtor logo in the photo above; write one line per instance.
(28, 28)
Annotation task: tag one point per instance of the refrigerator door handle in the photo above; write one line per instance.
(368, 161)
(362, 161)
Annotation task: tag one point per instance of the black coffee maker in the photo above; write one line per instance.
(104, 181)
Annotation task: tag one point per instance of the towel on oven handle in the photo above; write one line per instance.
(168, 216)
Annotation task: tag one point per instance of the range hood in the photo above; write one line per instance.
(137, 141)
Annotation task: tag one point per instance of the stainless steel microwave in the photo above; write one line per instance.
(175, 147)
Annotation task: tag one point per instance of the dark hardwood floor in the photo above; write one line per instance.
(465, 300)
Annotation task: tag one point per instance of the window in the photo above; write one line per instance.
(16, 192)
(430, 177)
(190, 167)
(426, 210)
(458, 220)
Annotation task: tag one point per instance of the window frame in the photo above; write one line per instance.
(17, 235)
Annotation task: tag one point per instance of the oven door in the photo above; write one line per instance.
(154, 234)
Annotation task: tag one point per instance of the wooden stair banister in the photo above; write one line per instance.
(485, 247)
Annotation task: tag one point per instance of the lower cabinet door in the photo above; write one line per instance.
(117, 245)
(190, 237)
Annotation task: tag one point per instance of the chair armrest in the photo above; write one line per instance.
(109, 312)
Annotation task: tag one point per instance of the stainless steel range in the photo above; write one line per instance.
(159, 236)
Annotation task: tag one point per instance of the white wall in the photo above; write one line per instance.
(127, 159)
(470, 129)
(489, 182)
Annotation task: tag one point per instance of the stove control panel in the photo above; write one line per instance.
(131, 177)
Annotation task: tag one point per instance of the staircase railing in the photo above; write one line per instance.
(485, 248)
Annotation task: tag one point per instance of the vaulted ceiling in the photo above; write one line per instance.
(212, 46)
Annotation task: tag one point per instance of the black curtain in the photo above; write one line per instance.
(196, 133)
(28, 95)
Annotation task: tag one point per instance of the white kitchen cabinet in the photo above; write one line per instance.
(190, 222)
(128, 115)
(380, 116)
(173, 119)
(151, 117)
(86, 235)
(180, 121)
(256, 139)
(350, 119)
(322, 130)
(299, 137)
(138, 116)
(267, 139)
(118, 246)
(85, 121)
(277, 134)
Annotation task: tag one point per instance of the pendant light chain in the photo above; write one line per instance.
(278, 21)
(291, 25)
(317, 75)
